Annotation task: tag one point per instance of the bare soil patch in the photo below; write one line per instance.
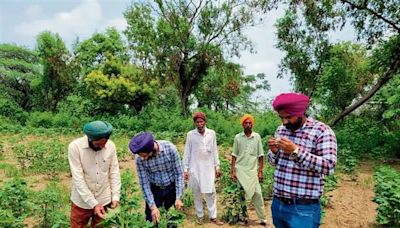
(352, 201)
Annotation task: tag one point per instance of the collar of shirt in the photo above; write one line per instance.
(243, 134)
(85, 144)
(206, 131)
(161, 147)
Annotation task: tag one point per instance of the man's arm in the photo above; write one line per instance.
(260, 152)
(235, 153)
(215, 152)
(273, 150)
(324, 159)
(78, 177)
(115, 179)
(144, 183)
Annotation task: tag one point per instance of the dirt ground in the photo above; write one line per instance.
(351, 204)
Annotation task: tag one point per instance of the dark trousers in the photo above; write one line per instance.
(163, 197)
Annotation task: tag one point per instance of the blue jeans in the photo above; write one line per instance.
(295, 215)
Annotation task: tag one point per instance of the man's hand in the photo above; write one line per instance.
(185, 175)
(260, 177)
(178, 204)
(217, 172)
(233, 176)
(155, 214)
(114, 204)
(286, 145)
(99, 211)
(273, 145)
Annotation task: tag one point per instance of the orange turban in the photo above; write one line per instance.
(247, 117)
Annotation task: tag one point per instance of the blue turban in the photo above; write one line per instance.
(97, 130)
(142, 143)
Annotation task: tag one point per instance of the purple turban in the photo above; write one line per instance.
(292, 103)
(142, 143)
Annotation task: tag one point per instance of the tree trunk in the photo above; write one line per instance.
(381, 82)
(184, 98)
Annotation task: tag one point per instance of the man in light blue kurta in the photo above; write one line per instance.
(247, 164)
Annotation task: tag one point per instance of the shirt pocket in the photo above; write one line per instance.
(252, 148)
(209, 144)
(105, 165)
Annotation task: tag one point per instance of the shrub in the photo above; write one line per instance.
(11, 109)
(49, 205)
(41, 119)
(387, 191)
(14, 197)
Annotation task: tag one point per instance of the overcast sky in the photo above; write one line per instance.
(22, 20)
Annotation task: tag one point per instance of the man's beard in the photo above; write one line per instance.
(93, 147)
(294, 126)
(200, 129)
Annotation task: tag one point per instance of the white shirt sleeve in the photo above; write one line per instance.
(77, 176)
(115, 178)
(187, 153)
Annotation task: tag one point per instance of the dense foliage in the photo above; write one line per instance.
(387, 188)
(174, 58)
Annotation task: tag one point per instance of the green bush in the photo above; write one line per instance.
(268, 182)
(368, 138)
(129, 213)
(387, 191)
(348, 160)
(76, 106)
(7, 219)
(50, 207)
(14, 197)
(41, 119)
(11, 109)
(47, 157)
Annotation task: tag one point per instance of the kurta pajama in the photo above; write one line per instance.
(247, 151)
(200, 160)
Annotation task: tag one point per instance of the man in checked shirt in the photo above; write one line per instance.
(160, 173)
(303, 152)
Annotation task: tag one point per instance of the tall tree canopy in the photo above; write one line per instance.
(94, 51)
(303, 35)
(116, 85)
(60, 70)
(18, 67)
(178, 41)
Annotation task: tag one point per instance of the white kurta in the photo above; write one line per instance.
(200, 159)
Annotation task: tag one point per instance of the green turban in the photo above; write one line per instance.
(97, 129)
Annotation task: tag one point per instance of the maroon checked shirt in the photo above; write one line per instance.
(303, 177)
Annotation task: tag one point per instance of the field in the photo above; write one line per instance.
(40, 159)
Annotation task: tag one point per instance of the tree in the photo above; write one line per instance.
(376, 22)
(344, 75)
(222, 84)
(386, 64)
(179, 41)
(306, 48)
(60, 71)
(91, 53)
(18, 67)
(116, 85)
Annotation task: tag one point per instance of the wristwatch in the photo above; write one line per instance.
(295, 153)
